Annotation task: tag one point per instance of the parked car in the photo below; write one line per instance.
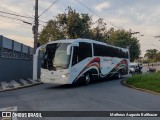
(135, 68)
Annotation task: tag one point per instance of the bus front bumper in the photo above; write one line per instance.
(54, 80)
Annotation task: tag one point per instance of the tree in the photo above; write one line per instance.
(151, 53)
(100, 33)
(122, 38)
(75, 25)
(157, 57)
(51, 32)
(70, 25)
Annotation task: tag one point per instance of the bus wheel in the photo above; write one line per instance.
(87, 79)
(119, 75)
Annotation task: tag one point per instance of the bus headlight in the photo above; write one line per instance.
(42, 75)
(65, 75)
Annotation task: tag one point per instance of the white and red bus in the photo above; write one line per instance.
(74, 60)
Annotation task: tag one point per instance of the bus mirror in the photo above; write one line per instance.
(69, 47)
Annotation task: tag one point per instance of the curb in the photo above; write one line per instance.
(17, 84)
(131, 86)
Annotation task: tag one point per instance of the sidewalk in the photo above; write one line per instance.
(15, 84)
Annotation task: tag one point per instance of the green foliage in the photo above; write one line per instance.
(146, 61)
(100, 32)
(51, 32)
(157, 57)
(153, 55)
(74, 25)
(124, 39)
(146, 81)
(71, 25)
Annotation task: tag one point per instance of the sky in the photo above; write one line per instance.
(138, 15)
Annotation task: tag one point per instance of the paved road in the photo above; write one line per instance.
(102, 96)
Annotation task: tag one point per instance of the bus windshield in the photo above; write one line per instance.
(56, 56)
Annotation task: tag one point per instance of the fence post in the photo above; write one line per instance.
(22, 52)
(1, 40)
(28, 50)
(13, 49)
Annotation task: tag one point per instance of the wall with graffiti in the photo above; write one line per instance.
(16, 60)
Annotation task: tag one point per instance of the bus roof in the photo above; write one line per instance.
(82, 40)
(76, 40)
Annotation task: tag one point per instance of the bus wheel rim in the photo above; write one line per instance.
(87, 78)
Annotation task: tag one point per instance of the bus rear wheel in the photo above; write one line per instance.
(87, 79)
(119, 75)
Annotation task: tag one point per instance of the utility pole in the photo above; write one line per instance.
(130, 42)
(35, 27)
(35, 33)
(130, 35)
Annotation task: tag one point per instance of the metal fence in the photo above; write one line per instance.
(12, 49)
(16, 60)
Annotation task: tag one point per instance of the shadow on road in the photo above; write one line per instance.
(68, 86)
(61, 87)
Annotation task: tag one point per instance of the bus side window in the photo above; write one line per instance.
(75, 56)
(82, 52)
(85, 51)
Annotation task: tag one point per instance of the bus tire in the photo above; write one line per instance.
(87, 79)
(119, 75)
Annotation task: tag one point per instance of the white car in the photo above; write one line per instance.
(134, 67)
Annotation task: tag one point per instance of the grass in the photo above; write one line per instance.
(146, 81)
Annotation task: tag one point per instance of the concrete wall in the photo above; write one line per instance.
(16, 61)
(12, 69)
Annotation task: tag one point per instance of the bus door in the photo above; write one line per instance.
(105, 65)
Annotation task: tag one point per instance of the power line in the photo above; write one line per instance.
(16, 19)
(87, 7)
(10, 21)
(12, 11)
(118, 27)
(84, 5)
(42, 21)
(48, 8)
(20, 16)
(15, 14)
(81, 3)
